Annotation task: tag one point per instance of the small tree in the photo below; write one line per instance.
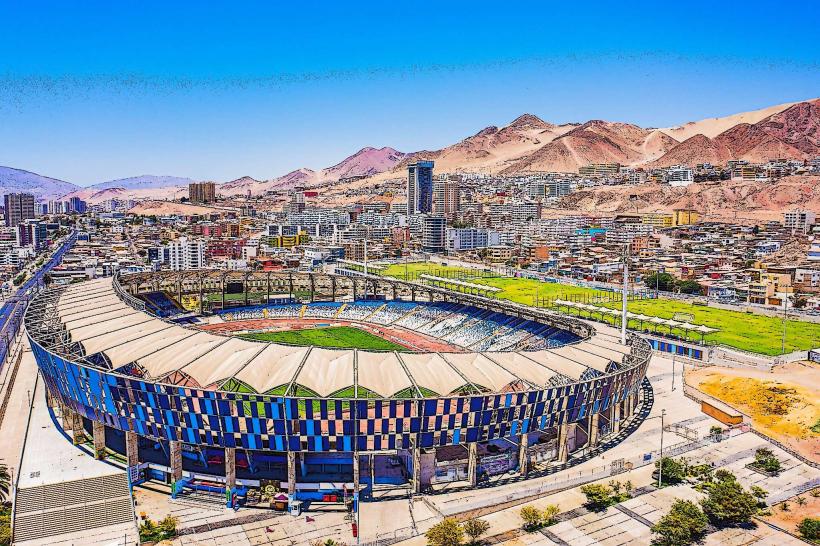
(447, 532)
(598, 496)
(690, 287)
(673, 471)
(760, 494)
(549, 513)
(766, 460)
(809, 529)
(535, 518)
(475, 528)
(684, 524)
(531, 516)
(728, 503)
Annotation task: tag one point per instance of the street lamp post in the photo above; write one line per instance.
(660, 461)
(785, 318)
(623, 296)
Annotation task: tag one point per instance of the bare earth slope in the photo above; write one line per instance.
(733, 201)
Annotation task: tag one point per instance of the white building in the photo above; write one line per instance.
(471, 238)
(680, 175)
(186, 254)
(799, 220)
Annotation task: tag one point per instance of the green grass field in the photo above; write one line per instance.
(517, 290)
(746, 331)
(345, 337)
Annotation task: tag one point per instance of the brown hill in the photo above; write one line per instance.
(696, 149)
(797, 126)
(726, 200)
(792, 133)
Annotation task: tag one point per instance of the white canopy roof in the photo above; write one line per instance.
(431, 371)
(93, 315)
(381, 373)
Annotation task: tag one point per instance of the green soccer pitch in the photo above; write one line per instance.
(346, 337)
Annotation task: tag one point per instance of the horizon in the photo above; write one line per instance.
(105, 103)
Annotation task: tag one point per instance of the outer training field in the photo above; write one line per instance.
(746, 331)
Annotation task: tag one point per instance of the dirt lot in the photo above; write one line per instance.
(784, 403)
(790, 518)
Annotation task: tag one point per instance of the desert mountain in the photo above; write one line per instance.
(366, 162)
(42, 187)
(793, 132)
(529, 144)
(133, 187)
(712, 127)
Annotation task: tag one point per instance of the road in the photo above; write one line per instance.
(11, 313)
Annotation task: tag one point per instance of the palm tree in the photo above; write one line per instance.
(5, 482)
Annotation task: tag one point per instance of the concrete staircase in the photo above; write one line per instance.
(51, 510)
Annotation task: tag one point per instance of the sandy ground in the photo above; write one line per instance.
(789, 519)
(784, 402)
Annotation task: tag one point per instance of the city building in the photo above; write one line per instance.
(420, 187)
(446, 195)
(32, 233)
(433, 233)
(685, 217)
(680, 175)
(185, 254)
(18, 207)
(600, 169)
(799, 221)
(460, 239)
(77, 205)
(202, 192)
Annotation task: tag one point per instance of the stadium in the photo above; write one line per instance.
(399, 385)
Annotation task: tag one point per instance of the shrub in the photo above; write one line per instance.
(801, 501)
(155, 532)
(549, 513)
(673, 471)
(447, 532)
(760, 494)
(715, 430)
(601, 496)
(727, 502)
(684, 524)
(535, 518)
(765, 460)
(809, 529)
(598, 496)
(474, 528)
(531, 516)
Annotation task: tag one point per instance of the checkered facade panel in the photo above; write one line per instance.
(278, 423)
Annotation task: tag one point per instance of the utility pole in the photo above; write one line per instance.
(623, 295)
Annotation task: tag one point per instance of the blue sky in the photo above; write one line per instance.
(91, 91)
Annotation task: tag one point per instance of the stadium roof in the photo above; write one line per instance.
(102, 323)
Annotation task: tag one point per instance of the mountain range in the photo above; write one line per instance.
(527, 144)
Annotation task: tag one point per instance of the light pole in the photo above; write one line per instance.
(623, 295)
(785, 318)
(673, 371)
(660, 461)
